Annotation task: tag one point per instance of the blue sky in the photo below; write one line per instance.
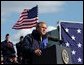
(48, 11)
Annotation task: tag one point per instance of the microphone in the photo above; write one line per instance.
(52, 38)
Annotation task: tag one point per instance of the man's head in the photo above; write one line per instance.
(41, 28)
(7, 37)
(21, 38)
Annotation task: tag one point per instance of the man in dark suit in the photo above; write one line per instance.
(7, 50)
(34, 43)
(19, 50)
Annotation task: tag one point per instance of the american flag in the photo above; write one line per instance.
(72, 34)
(28, 19)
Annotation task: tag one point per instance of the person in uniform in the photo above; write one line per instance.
(8, 50)
(19, 50)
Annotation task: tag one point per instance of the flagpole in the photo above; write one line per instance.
(59, 26)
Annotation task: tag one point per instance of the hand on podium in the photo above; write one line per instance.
(38, 52)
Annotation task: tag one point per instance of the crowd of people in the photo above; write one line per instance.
(27, 46)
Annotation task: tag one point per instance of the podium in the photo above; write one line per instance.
(55, 54)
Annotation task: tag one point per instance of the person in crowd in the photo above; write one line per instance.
(8, 50)
(19, 49)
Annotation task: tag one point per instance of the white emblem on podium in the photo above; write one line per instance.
(65, 56)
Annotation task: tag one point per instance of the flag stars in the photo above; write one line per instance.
(79, 45)
(79, 59)
(73, 37)
(78, 31)
(67, 44)
(73, 52)
(67, 30)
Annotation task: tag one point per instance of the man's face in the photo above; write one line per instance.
(21, 39)
(42, 29)
(7, 38)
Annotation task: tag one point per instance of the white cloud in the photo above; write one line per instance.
(24, 32)
(18, 6)
(19, 33)
(10, 7)
(50, 28)
(50, 6)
